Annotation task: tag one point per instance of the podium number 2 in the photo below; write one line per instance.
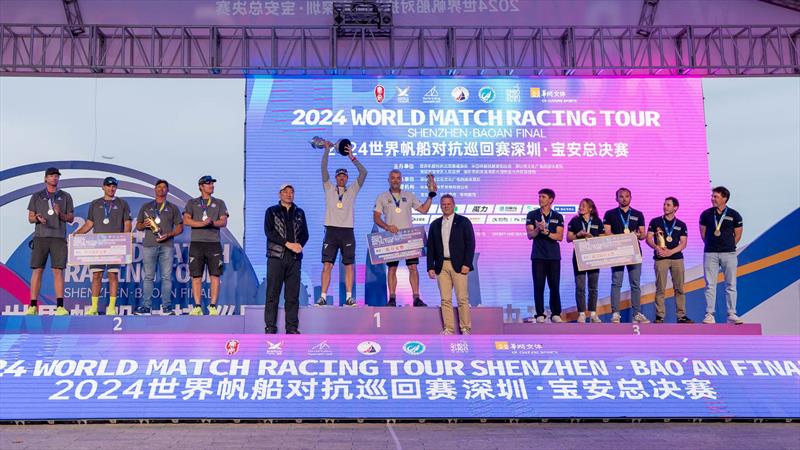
(377, 317)
(117, 324)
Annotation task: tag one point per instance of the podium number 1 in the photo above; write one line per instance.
(377, 317)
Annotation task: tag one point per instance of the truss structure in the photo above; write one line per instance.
(109, 50)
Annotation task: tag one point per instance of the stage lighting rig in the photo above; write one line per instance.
(371, 16)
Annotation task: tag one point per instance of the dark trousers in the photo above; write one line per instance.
(551, 272)
(580, 287)
(282, 273)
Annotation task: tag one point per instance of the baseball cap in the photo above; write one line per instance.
(341, 171)
(205, 179)
(51, 171)
(109, 181)
(284, 186)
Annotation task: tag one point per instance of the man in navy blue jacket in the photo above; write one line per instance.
(451, 250)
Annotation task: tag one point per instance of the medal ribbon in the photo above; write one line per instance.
(396, 200)
(667, 230)
(204, 206)
(587, 225)
(158, 210)
(625, 220)
(107, 206)
(51, 200)
(718, 223)
(342, 194)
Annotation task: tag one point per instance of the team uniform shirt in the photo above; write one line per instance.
(116, 211)
(678, 229)
(168, 215)
(544, 247)
(214, 209)
(42, 202)
(340, 217)
(726, 241)
(615, 218)
(594, 226)
(387, 204)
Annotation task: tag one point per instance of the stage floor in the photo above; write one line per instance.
(438, 436)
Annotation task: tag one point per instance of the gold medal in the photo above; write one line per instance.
(340, 205)
(398, 210)
(717, 233)
(627, 231)
(669, 238)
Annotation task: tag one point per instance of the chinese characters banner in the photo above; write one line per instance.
(492, 144)
(251, 376)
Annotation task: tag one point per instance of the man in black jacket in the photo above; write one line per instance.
(451, 250)
(287, 232)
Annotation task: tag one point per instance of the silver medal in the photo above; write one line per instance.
(50, 212)
(106, 221)
(205, 217)
(158, 220)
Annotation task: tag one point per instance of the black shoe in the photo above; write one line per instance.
(419, 303)
(685, 319)
(292, 331)
(659, 320)
(270, 330)
(391, 302)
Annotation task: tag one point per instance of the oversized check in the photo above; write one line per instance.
(607, 251)
(100, 248)
(405, 244)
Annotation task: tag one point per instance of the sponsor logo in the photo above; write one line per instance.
(513, 95)
(380, 93)
(402, 95)
(414, 348)
(460, 94)
(459, 347)
(432, 96)
(369, 348)
(566, 208)
(232, 347)
(501, 345)
(535, 92)
(487, 94)
(275, 348)
(321, 349)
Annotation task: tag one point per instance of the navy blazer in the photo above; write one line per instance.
(462, 244)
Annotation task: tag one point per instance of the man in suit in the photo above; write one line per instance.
(451, 249)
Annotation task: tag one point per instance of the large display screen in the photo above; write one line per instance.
(360, 376)
(492, 144)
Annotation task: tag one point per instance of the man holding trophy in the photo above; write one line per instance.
(161, 221)
(667, 236)
(392, 213)
(340, 200)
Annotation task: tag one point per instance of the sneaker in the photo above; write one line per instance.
(32, 311)
(61, 311)
(168, 311)
(540, 319)
(734, 319)
(659, 319)
(685, 319)
(581, 317)
(293, 331)
(555, 319)
(615, 318)
(640, 318)
(212, 310)
(466, 331)
(595, 318)
(111, 311)
(142, 311)
(392, 302)
(446, 332)
(92, 311)
(321, 302)
(529, 320)
(196, 311)
(419, 303)
(709, 318)
(350, 301)
(270, 330)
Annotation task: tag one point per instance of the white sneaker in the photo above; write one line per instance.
(540, 319)
(556, 319)
(615, 318)
(446, 332)
(581, 317)
(734, 319)
(595, 318)
(640, 318)
(709, 318)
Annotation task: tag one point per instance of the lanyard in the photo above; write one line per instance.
(587, 226)
(204, 205)
(157, 209)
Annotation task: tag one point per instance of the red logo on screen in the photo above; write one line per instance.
(380, 93)
(232, 346)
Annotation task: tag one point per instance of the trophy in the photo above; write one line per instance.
(318, 142)
(431, 183)
(153, 226)
(343, 146)
(660, 241)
